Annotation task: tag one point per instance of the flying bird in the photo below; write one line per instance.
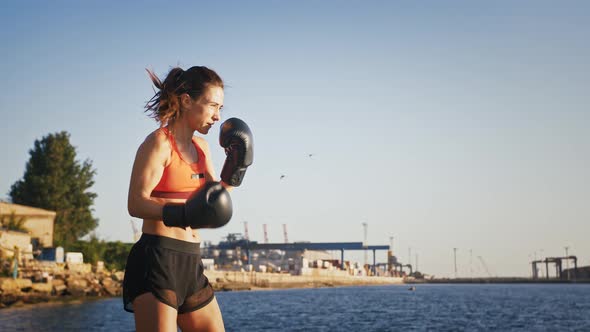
(282, 177)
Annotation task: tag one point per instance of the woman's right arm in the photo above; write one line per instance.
(148, 167)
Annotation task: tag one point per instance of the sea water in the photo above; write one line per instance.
(436, 307)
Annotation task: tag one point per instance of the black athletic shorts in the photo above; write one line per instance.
(168, 268)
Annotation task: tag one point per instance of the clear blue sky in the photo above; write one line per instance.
(463, 124)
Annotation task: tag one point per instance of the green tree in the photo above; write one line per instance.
(113, 254)
(116, 254)
(54, 180)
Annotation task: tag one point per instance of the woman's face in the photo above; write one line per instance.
(203, 112)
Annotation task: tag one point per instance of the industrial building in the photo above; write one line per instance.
(298, 258)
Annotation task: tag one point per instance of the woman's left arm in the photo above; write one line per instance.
(210, 171)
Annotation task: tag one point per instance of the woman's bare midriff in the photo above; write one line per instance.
(157, 227)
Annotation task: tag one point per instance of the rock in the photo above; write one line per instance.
(59, 289)
(15, 286)
(57, 282)
(111, 287)
(118, 276)
(77, 292)
(99, 268)
(18, 303)
(8, 299)
(24, 284)
(113, 290)
(77, 282)
(9, 286)
(37, 276)
(83, 268)
(231, 286)
(35, 298)
(94, 291)
(77, 286)
(44, 288)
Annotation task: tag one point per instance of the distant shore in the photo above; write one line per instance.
(497, 280)
(22, 292)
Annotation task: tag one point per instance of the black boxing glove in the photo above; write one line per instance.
(208, 207)
(237, 140)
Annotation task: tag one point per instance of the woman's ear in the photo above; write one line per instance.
(185, 100)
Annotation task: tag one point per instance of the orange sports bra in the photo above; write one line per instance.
(180, 178)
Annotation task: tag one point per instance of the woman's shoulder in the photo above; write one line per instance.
(201, 142)
(158, 141)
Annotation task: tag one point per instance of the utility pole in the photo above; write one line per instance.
(246, 235)
(391, 244)
(136, 232)
(410, 255)
(416, 263)
(535, 252)
(285, 233)
(567, 262)
(471, 263)
(455, 259)
(365, 225)
(265, 233)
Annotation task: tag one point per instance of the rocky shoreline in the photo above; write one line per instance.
(40, 282)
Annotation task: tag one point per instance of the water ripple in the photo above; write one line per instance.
(379, 308)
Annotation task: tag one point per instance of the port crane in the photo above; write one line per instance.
(265, 233)
(285, 233)
(246, 236)
(136, 232)
(485, 266)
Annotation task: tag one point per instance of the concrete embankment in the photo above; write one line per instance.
(239, 280)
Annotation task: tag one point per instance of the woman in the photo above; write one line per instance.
(174, 190)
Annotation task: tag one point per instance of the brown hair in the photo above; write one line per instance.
(165, 104)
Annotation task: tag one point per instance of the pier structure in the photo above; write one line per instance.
(558, 266)
(249, 246)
